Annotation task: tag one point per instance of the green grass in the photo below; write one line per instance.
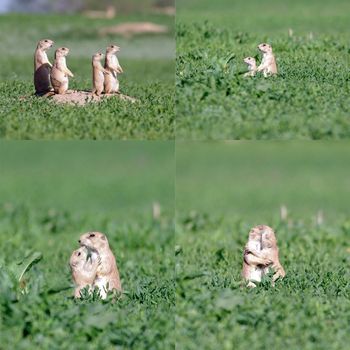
(148, 62)
(231, 187)
(309, 99)
(50, 193)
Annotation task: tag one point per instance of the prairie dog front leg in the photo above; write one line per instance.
(69, 73)
(253, 259)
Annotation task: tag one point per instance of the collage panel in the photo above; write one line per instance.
(51, 194)
(262, 70)
(102, 69)
(233, 201)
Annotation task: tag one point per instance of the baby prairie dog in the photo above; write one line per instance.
(268, 64)
(60, 72)
(254, 259)
(112, 65)
(98, 74)
(251, 62)
(42, 67)
(107, 271)
(83, 263)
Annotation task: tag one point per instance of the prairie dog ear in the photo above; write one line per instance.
(103, 237)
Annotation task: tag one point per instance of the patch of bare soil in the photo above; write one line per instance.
(81, 98)
(165, 10)
(130, 29)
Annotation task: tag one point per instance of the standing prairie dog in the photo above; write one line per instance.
(98, 74)
(251, 62)
(254, 259)
(42, 67)
(270, 248)
(83, 264)
(112, 65)
(261, 254)
(268, 64)
(107, 271)
(60, 72)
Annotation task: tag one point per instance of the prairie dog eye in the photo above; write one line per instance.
(79, 254)
(92, 235)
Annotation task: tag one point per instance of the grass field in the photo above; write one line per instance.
(231, 187)
(50, 193)
(148, 63)
(309, 99)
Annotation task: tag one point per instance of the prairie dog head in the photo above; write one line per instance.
(255, 234)
(268, 237)
(94, 240)
(97, 57)
(265, 48)
(78, 258)
(61, 52)
(111, 49)
(45, 44)
(250, 61)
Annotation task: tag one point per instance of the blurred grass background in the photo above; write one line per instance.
(251, 180)
(51, 192)
(88, 176)
(269, 16)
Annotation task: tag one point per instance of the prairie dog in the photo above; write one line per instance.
(98, 74)
(270, 248)
(107, 271)
(251, 62)
(254, 259)
(83, 263)
(268, 64)
(42, 67)
(112, 65)
(60, 72)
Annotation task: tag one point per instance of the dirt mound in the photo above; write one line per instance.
(130, 29)
(81, 98)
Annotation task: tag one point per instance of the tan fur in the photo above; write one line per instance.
(60, 72)
(98, 74)
(42, 67)
(83, 269)
(270, 248)
(111, 83)
(268, 64)
(254, 259)
(107, 271)
(251, 62)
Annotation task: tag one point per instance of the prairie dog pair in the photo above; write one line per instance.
(268, 64)
(42, 67)
(105, 78)
(261, 254)
(104, 274)
(60, 72)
